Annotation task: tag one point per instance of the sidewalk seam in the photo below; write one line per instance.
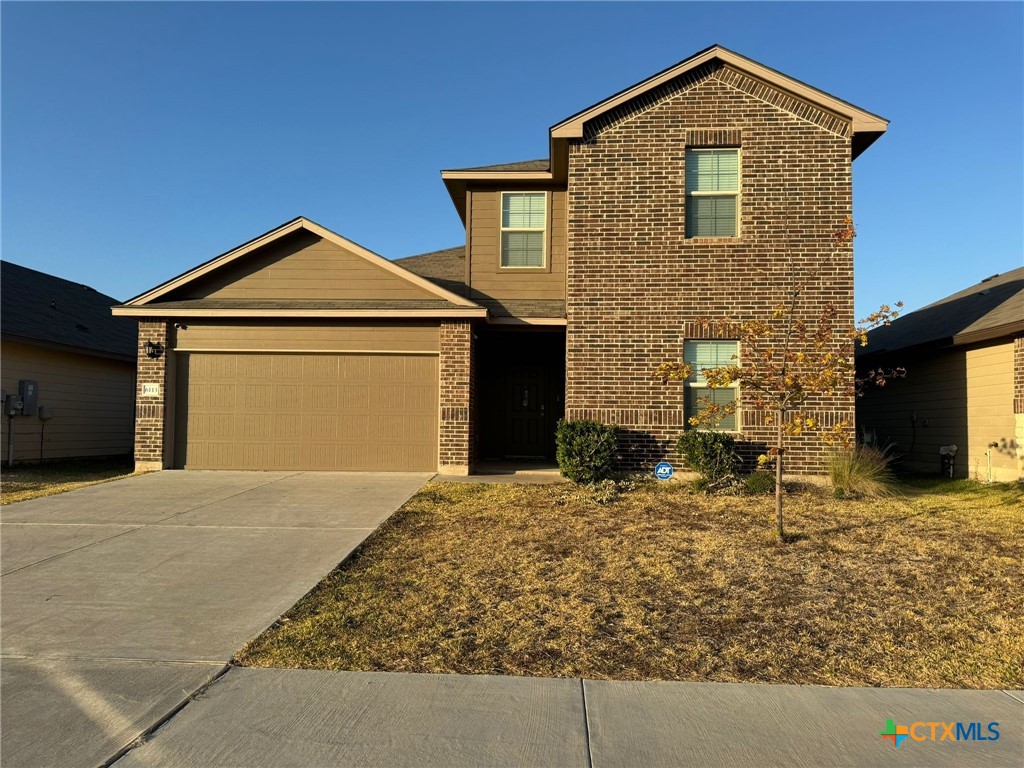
(586, 723)
(1018, 699)
(146, 734)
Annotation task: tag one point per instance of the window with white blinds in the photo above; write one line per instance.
(712, 192)
(706, 353)
(523, 228)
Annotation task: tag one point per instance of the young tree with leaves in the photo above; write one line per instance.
(785, 362)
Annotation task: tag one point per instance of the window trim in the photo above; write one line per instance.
(735, 386)
(502, 229)
(738, 195)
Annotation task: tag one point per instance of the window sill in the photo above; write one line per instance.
(713, 241)
(525, 270)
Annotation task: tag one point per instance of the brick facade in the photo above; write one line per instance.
(1018, 375)
(635, 283)
(457, 395)
(150, 410)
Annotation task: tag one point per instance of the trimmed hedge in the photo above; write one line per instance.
(585, 450)
(713, 454)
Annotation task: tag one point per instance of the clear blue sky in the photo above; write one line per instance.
(142, 139)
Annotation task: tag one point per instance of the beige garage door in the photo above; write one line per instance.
(307, 411)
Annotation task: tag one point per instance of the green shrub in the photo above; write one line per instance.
(863, 470)
(759, 483)
(702, 485)
(713, 454)
(585, 450)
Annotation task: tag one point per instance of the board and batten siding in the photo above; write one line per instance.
(487, 278)
(961, 396)
(92, 398)
(301, 266)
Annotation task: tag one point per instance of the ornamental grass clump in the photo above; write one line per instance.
(862, 471)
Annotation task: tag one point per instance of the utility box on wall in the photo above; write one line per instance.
(28, 393)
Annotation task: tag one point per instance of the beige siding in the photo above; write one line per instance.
(960, 396)
(487, 279)
(337, 336)
(301, 266)
(990, 412)
(312, 411)
(93, 400)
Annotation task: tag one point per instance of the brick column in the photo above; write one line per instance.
(1018, 402)
(456, 430)
(149, 408)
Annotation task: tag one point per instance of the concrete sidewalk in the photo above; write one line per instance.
(280, 718)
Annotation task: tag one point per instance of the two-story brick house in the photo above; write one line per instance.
(692, 194)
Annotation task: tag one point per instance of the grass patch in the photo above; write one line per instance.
(30, 481)
(660, 583)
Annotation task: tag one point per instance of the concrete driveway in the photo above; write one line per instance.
(121, 600)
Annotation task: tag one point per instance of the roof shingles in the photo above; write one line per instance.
(43, 308)
(990, 306)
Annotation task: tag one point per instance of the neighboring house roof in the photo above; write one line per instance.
(446, 304)
(42, 308)
(987, 310)
(446, 267)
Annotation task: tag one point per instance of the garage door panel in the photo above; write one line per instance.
(287, 425)
(354, 367)
(354, 427)
(318, 427)
(354, 397)
(323, 456)
(256, 425)
(323, 397)
(308, 411)
(287, 455)
(287, 397)
(321, 368)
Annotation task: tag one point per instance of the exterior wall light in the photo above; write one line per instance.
(154, 350)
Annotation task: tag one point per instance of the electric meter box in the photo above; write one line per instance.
(28, 393)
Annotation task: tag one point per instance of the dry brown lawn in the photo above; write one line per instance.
(30, 481)
(922, 590)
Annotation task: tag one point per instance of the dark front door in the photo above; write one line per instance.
(527, 418)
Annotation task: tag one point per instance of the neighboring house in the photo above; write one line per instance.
(692, 194)
(61, 336)
(964, 386)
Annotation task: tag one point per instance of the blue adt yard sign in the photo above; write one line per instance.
(663, 471)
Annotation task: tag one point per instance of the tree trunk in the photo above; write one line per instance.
(778, 479)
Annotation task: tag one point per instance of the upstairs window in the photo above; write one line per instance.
(712, 192)
(523, 229)
(701, 354)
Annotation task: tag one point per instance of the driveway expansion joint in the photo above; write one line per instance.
(586, 723)
(141, 526)
(149, 732)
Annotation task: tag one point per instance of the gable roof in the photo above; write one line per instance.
(37, 307)
(786, 92)
(147, 304)
(541, 164)
(868, 125)
(446, 267)
(987, 310)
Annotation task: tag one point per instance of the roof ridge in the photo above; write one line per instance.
(57, 277)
